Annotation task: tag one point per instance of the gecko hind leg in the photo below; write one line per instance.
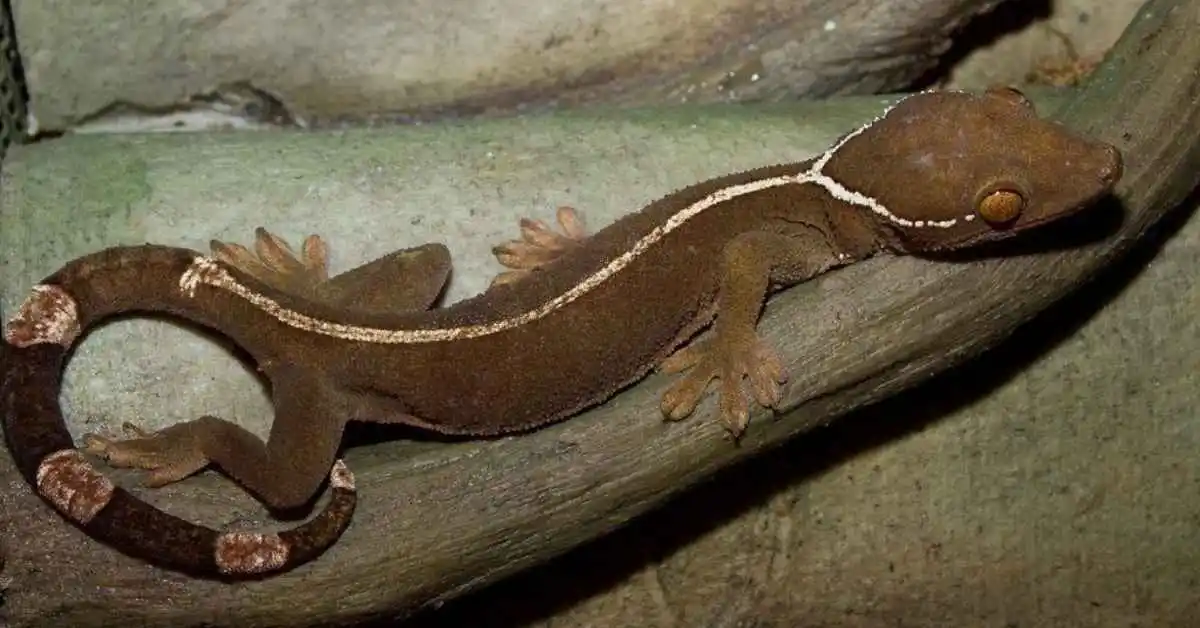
(734, 352)
(275, 263)
(539, 245)
(284, 472)
(408, 279)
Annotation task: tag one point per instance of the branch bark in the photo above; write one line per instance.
(391, 60)
(440, 520)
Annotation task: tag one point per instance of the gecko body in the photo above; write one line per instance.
(583, 317)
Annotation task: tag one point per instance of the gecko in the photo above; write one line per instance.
(579, 317)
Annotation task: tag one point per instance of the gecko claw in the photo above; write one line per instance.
(730, 362)
(134, 431)
(735, 410)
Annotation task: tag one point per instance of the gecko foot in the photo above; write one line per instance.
(274, 263)
(539, 244)
(729, 359)
(170, 454)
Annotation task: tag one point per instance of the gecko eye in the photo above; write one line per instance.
(1001, 206)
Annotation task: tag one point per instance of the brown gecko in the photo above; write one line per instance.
(581, 317)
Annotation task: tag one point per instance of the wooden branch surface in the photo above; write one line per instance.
(439, 520)
(420, 60)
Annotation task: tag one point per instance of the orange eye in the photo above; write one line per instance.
(1001, 206)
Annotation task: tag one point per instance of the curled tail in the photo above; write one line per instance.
(32, 356)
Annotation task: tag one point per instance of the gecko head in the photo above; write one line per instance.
(943, 169)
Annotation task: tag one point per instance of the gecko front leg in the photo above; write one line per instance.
(734, 351)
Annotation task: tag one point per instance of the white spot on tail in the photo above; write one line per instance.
(67, 480)
(48, 315)
(201, 271)
(250, 552)
(341, 476)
